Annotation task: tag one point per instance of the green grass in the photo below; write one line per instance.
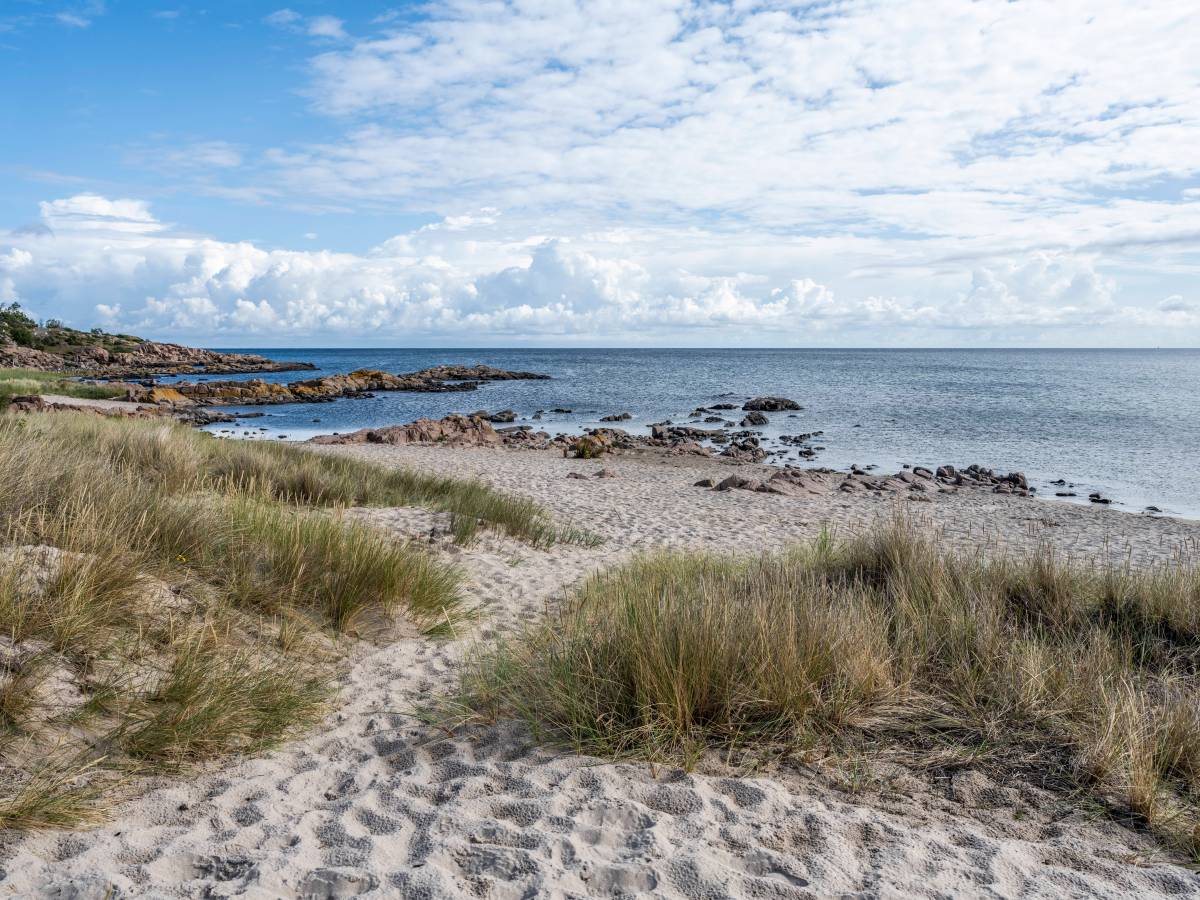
(20, 382)
(1084, 677)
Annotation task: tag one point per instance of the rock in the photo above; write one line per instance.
(559, 409)
(606, 473)
(453, 430)
(704, 483)
(141, 359)
(770, 404)
(1097, 497)
(577, 475)
(14, 357)
(505, 415)
(731, 482)
(1065, 494)
(1153, 509)
(922, 472)
(754, 418)
(618, 417)
(948, 472)
(721, 406)
(745, 450)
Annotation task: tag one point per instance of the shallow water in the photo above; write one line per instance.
(1124, 422)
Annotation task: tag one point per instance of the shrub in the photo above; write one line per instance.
(587, 447)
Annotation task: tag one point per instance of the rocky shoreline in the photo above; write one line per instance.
(726, 431)
(361, 383)
(148, 359)
(915, 483)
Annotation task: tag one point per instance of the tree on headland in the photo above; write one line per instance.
(16, 327)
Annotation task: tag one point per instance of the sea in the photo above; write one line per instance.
(1125, 423)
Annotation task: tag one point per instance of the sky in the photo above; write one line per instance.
(612, 173)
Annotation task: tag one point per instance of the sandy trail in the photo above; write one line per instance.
(377, 804)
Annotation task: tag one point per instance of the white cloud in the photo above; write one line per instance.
(81, 14)
(1042, 289)
(767, 109)
(758, 170)
(282, 18)
(325, 27)
(91, 212)
(113, 261)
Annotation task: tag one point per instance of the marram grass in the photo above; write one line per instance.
(197, 593)
(880, 644)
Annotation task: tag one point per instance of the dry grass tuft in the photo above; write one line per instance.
(878, 645)
(52, 795)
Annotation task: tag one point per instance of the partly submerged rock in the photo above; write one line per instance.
(770, 404)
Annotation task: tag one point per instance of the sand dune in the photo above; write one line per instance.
(377, 804)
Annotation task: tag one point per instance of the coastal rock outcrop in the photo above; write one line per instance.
(452, 431)
(145, 359)
(359, 383)
(770, 404)
(15, 357)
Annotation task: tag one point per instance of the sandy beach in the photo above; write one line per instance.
(375, 803)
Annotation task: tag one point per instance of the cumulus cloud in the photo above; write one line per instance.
(1043, 289)
(112, 261)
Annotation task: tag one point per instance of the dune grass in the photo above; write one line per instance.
(19, 382)
(177, 460)
(171, 597)
(1081, 676)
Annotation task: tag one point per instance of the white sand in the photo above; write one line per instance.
(377, 804)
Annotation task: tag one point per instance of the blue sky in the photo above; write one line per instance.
(554, 172)
(95, 104)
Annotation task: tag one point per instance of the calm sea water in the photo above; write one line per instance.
(1125, 422)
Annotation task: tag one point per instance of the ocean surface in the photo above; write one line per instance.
(1123, 422)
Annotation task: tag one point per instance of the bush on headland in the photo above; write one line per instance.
(883, 644)
(167, 597)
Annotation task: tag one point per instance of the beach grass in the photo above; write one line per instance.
(179, 460)
(879, 646)
(172, 597)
